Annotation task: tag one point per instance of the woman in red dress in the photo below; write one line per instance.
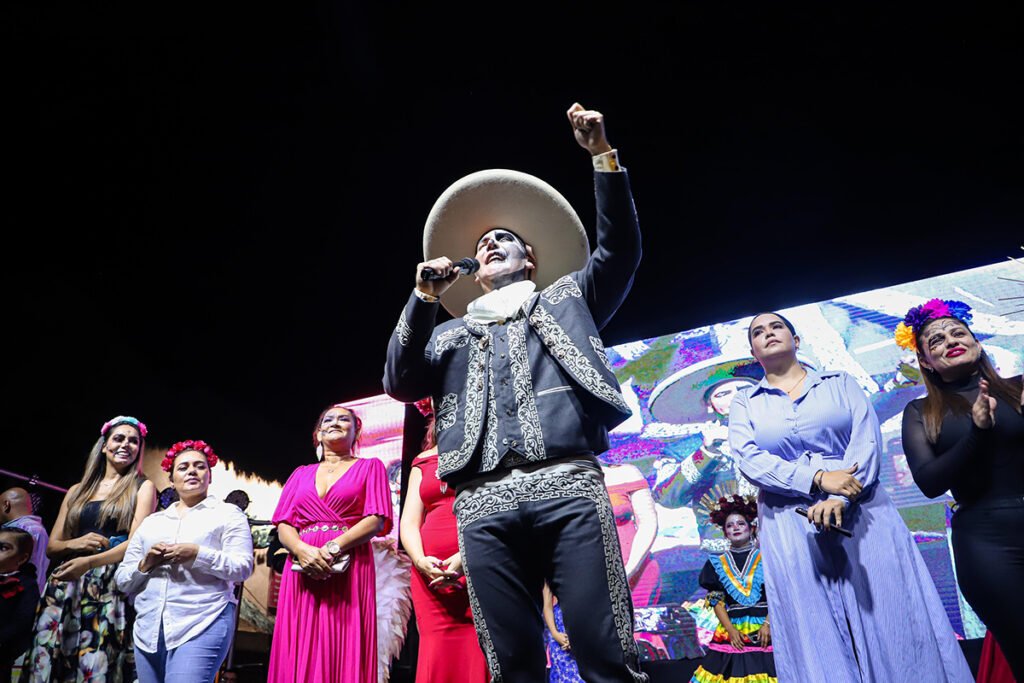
(449, 651)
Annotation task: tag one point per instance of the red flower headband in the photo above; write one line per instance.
(745, 506)
(199, 446)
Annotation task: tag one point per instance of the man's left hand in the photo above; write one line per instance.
(588, 127)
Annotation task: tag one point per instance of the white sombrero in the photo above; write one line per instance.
(679, 398)
(499, 198)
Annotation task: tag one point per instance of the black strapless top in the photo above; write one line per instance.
(88, 522)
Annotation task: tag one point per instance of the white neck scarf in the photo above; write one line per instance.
(499, 305)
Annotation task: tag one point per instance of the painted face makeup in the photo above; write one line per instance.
(948, 347)
(503, 258)
(737, 529)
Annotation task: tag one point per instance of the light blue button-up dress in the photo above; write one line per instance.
(859, 609)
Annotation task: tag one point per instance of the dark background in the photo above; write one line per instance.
(216, 212)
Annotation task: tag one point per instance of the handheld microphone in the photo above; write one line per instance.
(466, 266)
(834, 527)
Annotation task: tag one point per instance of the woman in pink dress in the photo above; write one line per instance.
(326, 628)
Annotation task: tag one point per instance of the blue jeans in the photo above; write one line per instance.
(193, 661)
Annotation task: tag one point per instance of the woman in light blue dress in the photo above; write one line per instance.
(855, 609)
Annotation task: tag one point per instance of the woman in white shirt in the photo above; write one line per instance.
(182, 565)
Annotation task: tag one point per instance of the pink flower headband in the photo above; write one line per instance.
(124, 419)
(199, 446)
(919, 316)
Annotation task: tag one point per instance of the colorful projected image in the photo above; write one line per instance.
(673, 456)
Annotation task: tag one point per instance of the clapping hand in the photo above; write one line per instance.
(983, 412)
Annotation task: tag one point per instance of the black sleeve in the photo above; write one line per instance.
(709, 578)
(407, 370)
(936, 472)
(608, 275)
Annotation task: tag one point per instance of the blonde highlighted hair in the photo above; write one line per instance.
(119, 505)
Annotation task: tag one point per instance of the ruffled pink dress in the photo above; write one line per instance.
(326, 631)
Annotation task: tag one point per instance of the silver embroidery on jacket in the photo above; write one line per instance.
(447, 412)
(522, 387)
(560, 290)
(490, 457)
(455, 338)
(540, 486)
(598, 345)
(475, 327)
(578, 365)
(402, 330)
(450, 461)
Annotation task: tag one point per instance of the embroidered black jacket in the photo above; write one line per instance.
(538, 386)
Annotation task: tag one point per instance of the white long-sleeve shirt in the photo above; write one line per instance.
(185, 599)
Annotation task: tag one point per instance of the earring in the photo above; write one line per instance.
(320, 451)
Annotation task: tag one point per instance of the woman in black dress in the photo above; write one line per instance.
(967, 435)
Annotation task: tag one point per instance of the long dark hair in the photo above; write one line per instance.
(941, 399)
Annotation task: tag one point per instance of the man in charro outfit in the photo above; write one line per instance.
(524, 400)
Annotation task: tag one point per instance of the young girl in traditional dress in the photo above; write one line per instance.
(740, 649)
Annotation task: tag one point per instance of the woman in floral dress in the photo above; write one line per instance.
(83, 628)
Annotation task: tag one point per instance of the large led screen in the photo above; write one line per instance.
(680, 387)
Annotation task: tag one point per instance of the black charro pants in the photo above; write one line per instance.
(550, 522)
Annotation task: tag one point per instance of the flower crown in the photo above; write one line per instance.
(918, 316)
(124, 419)
(199, 446)
(733, 505)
